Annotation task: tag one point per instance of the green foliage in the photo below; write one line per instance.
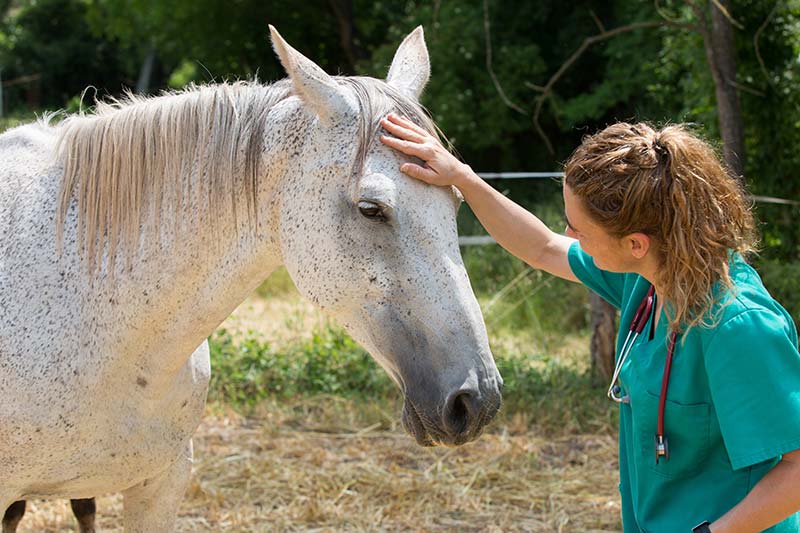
(208, 40)
(278, 284)
(247, 371)
(15, 119)
(782, 280)
(772, 119)
(558, 396)
(49, 42)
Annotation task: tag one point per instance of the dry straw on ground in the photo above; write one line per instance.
(304, 468)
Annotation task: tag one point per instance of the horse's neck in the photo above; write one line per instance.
(180, 290)
(206, 249)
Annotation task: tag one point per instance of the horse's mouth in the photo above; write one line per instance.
(413, 424)
(428, 433)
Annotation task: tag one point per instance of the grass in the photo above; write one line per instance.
(248, 371)
(12, 121)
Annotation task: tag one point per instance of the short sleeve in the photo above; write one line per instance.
(754, 376)
(608, 285)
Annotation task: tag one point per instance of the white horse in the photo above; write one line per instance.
(129, 235)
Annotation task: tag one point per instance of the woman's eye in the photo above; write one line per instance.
(371, 210)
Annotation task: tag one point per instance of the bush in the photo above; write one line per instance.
(782, 281)
(248, 370)
(553, 393)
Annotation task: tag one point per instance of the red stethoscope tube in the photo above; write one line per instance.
(640, 319)
(662, 445)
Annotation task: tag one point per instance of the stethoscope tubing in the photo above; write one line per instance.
(640, 319)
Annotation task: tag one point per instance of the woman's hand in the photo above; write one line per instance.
(512, 226)
(440, 167)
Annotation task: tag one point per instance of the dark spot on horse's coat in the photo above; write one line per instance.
(141, 381)
(184, 403)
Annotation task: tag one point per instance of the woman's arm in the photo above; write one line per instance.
(514, 228)
(775, 497)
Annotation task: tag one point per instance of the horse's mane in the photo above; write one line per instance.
(123, 163)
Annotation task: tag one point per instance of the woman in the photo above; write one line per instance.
(657, 225)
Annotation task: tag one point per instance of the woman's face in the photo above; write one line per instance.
(607, 251)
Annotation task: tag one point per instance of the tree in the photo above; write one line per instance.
(50, 43)
(720, 50)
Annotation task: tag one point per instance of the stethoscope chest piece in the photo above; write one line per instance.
(616, 392)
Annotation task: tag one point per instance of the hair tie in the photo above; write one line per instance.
(659, 148)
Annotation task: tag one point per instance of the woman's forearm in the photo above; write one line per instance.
(514, 228)
(775, 497)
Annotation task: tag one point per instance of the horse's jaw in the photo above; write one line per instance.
(450, 385)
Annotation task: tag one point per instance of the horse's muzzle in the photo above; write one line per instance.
(460, 419)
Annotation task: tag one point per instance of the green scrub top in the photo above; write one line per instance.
(732, 410)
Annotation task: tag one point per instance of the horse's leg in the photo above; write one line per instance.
(84, 510)
(13, 516)
(153, 504)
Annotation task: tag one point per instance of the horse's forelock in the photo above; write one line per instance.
(376, 99)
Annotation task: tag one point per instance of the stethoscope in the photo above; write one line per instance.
(638, 323)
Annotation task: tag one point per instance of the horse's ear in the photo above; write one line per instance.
(411, 66)
(313, 85)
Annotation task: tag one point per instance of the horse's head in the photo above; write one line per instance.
(379, 251)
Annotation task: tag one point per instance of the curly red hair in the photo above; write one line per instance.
(669, 184)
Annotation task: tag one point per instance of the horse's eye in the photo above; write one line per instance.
(371, 210)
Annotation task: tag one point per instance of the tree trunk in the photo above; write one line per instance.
(5, 6)
(720, 50)
(146, 72)
(348, 35)
(604, 332)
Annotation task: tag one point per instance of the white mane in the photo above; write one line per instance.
(130, 158)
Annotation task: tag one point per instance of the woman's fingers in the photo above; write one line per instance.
(412, 140)
(407, 147)
(397, 119)
(421, 173)
(399, 130)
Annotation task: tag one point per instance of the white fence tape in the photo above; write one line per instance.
(480, 240)
(540, 175)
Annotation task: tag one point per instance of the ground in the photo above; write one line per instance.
(297, 472)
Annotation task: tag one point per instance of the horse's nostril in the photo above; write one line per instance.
(460, 411)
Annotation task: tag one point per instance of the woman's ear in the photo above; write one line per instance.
(638, 244)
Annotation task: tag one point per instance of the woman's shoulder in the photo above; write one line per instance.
(748, 302)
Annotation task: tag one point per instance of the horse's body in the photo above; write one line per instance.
(60, 358)
(169, 212)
